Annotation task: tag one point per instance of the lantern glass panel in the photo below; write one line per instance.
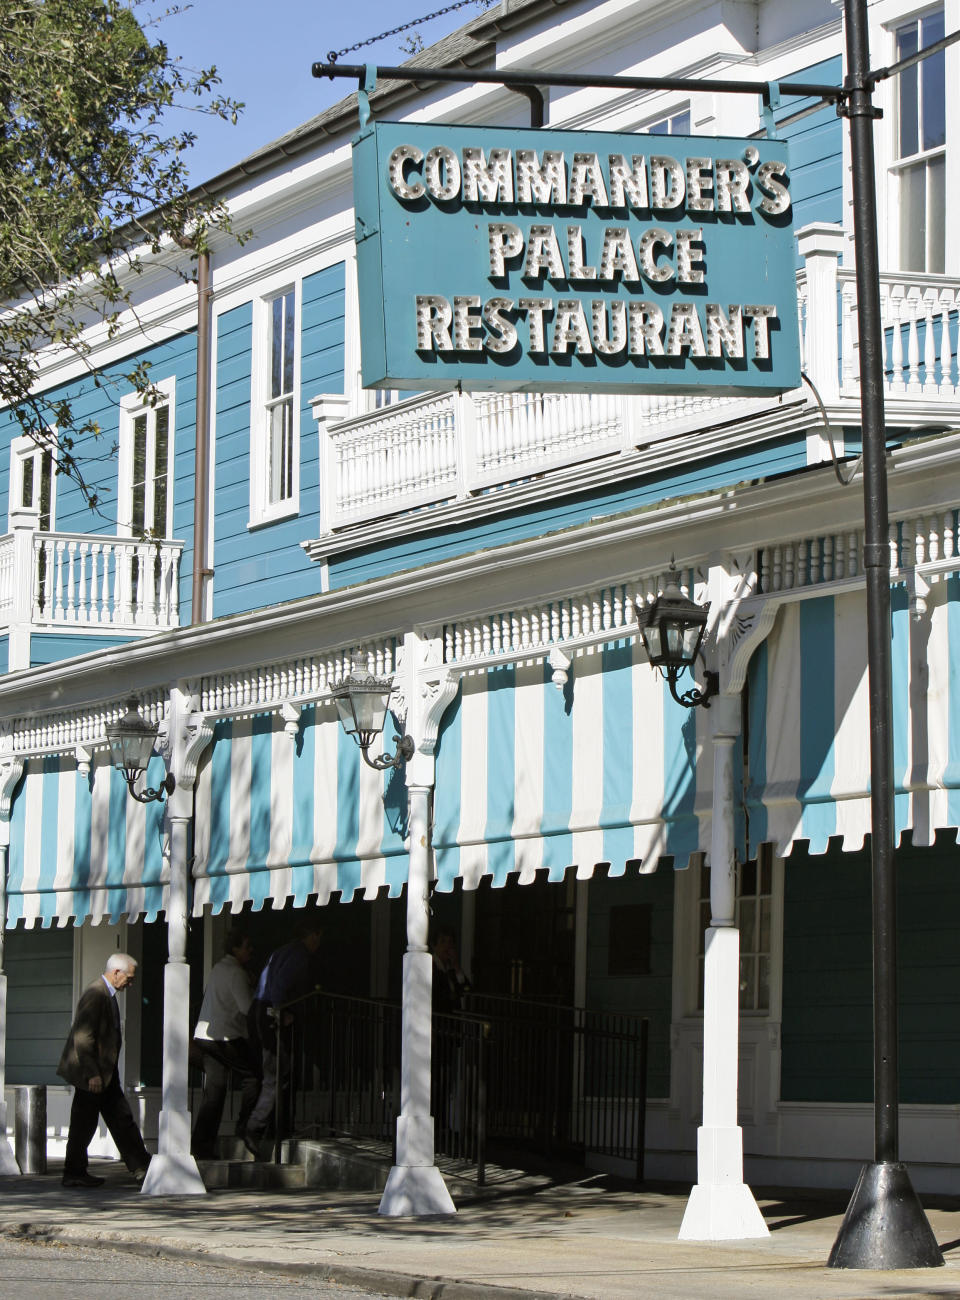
(691, 642)
(370, 708)
(345, 710)
(651, 639)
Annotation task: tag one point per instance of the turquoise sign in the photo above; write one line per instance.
(493, 258)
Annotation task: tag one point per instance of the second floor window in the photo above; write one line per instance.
(145, 470)
(920, 166)
(675, 124)
(275, 476)
(32, 480)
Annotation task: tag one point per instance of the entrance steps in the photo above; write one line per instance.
(304, 1162)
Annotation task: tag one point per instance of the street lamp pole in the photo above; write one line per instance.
(884, 1226)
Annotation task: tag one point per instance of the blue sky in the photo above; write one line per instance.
(263, 50)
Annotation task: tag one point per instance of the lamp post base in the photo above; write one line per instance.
(415, 1190)
(722, 1212)
(885, 1226)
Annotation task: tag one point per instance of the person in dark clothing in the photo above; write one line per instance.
(221, 1041)
(450, 984)
(89, 1062)
(290, 972)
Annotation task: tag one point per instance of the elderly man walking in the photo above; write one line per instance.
(89, 1062)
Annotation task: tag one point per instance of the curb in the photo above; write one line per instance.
(389, 1283)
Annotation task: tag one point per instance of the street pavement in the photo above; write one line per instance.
(524, 1237)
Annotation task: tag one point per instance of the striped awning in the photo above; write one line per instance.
(531, 778)
(809, 763)
(285, 816)
(81, 848)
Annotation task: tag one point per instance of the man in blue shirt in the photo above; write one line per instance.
(290, 973)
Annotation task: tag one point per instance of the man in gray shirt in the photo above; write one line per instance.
(221, 1040)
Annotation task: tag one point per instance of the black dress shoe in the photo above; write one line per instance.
(252, 1142)
(82, 1180)
(139, 1175)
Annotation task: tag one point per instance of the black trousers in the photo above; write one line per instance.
(220, 1060)
(85, 1112)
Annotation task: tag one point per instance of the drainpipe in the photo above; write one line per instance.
(202, 455)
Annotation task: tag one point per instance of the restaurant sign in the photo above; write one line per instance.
(493, 258)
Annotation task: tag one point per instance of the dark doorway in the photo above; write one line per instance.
(524, 943)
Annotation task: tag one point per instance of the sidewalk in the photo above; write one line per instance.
(525, 1237)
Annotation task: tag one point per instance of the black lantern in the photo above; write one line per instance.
(132, 742)
(362, 700)
(672, 629)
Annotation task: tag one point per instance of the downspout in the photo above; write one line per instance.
(202, 453)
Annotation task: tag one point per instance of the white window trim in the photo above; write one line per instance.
(132, 405)
(20, 448)
(885, 20)
(261, 511)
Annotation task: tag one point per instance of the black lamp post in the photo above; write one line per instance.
(362, 700)
(132, 742)
(672, 629)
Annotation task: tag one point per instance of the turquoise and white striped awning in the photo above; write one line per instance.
(809, 762)
(81, 848)
(285, 817)
(531, 778)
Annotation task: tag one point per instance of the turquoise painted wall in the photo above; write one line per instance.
(266, 565)
(827, 983)
(636, 995)
(816, 149)
(39, 968)
(48, 648)
(780, 456)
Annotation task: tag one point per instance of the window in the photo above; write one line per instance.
(754, 918)
(920, 167)
(675, 124)
(274, 482)
(145, 499)
(32, 480)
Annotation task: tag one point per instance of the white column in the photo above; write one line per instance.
(721, 1206)
(821, 246)
(8, 1163)
(23, 524)
(173, 1170)
(415, 1185)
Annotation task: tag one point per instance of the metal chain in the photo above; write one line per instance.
(333, 55)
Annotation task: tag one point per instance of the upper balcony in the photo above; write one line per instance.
(79, 582)
(446, 450)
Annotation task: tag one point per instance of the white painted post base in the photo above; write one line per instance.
(721, 1206)
(173, 1171)
(8, 1161)
(415, 1185)
(415, 1190)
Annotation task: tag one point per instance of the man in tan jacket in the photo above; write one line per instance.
(89, 1062)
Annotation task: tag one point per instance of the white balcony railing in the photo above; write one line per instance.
(445, 447)
(60, 581)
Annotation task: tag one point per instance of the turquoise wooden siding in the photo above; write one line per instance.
(827, 982)
(39, 967)
(267, 565)
(4, 654)
(636, 995)
(48, 648)
(816, 150)
(174, 359)
(779, 456)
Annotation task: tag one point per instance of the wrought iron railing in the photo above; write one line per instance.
(559, 1080)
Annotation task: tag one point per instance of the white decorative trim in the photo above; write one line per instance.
(560, 663)
(290, 713)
